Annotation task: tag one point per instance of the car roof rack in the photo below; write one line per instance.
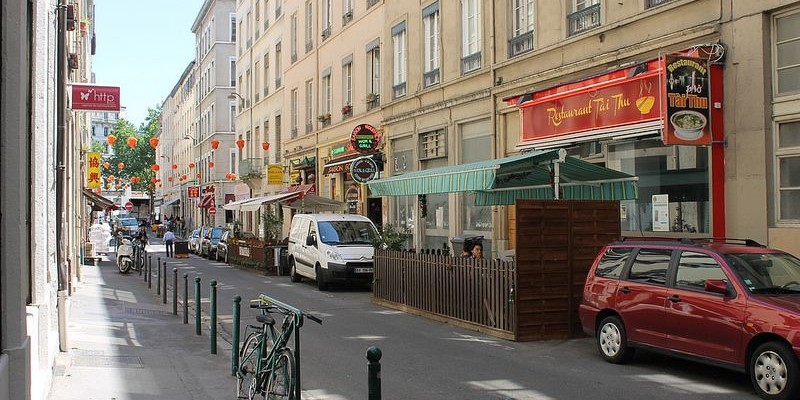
(657, 239)
(726, 240)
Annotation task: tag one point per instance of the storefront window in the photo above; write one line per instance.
(476, 145)
(674, 186)
(437, 221)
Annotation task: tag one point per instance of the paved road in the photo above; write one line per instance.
(424, 359)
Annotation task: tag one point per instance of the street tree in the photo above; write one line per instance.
(137, 160)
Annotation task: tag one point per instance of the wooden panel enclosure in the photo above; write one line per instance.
(477, 294)
(557, 241)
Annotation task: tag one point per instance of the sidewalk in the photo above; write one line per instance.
(125, 344)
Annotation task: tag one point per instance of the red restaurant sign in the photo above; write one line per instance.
(593, 105)
(95, 98)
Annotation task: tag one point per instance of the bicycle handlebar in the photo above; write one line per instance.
(264, 304)
(313, 318)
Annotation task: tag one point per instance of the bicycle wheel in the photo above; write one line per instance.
(281, 382)
(246, 382)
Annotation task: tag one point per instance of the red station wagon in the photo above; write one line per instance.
(728, 302)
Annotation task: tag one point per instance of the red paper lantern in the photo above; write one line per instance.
(210, 164)
(214, 144)
(265, 146)
(174, 166)
(191, 165)
(240, 144)
(132, 142)
(111, 139)
(121, 165)
(183, 177)
(155, 167)
(159, 185)
(199, 175)
(154, 142)
(169, 179)
(233, 177)
(106, 165)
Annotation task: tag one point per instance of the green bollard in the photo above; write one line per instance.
(158, 277)
(164, 291)
(174, 291)
(237, 307)
(374, 357)
(144, 255)
(213, 317)
(197, 328)
(185, 298)
(147, 267)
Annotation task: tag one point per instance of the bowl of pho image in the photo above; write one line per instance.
(688, 124)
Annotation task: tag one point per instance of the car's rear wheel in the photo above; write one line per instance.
(612, 341)
(773, 372)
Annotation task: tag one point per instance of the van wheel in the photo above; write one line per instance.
(293, 271)
(612, 341)
(322, 285)
(773, 371)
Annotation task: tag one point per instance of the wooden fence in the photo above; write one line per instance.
(477, 294)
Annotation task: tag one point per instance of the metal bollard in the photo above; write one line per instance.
(164, 292)
(158, 277)
(237, 306)
(144, 255)
(374, 380)
(185, 298)
(213, 317)
(175, 291)
(197, 328)
(147, 267)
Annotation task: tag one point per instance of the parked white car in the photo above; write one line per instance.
(331, 248)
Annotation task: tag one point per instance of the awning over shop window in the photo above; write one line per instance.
(173, 202)
(314, 203)
(343, 164)
(99, 203)
(234, 205)
(255, 203)
(502, 181)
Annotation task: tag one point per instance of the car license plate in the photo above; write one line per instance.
(362, 270)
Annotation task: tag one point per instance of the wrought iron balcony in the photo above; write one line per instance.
(399, 90)
(431, 77)
(584, 20)
(373, 101)
(326, 33)
(471, 63)
(520, 44)
(309, 46)
(347, 17)
(371, 3)
(656, 3)
(250, 168)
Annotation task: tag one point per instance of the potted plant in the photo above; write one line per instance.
(371, 97)
(324, 117)
(347, 109)
(84, 24)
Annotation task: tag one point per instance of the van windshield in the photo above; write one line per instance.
(346, 232)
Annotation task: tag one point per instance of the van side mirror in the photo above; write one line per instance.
(716, 286)
(311, 240)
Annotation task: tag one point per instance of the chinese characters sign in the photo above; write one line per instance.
(193, 192)
(93, 179)
(687, 100)
(601, 105)
(95, 98)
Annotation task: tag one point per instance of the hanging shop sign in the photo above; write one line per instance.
(619, 98)
(352, 193)
(365, 138)
(95, 98)
(363, 169)
(687, 113)
(274, 174)
(93, 179)
(193, 192)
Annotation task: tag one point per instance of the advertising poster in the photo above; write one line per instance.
(660, 213)
(687, 104)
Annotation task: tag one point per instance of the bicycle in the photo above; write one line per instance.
(266, 363)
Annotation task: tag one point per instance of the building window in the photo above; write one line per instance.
(240, 41)
(585, 17)
(399, 60)
(430, 22)
(373, 74)
(267, 139)
(788, 154)
(433, 144)
(233, 71)
(249, 23)
(265, 80)
(347, 88)
(326, 95)
(521, 27)
(309, 106)
(278, 66)
(257, 81)
(294, 113)
(371, 3)
(248, 89)
(470, 35)
(233, 165)
(656, 3)
(233, 27)
(309, 26)
(278, 9)
(232, 124)
(266, 15)
(326, 19)
(277, 138)
(347, 11)
(293, 43)
(787, 53)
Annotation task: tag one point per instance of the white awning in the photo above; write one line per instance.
(255, 203)
(234, 205)
(174, 201)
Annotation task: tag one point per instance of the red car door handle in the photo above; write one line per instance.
(674, 298)
(625, 290)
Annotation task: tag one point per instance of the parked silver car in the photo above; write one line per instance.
(194, 241)
(222, 246)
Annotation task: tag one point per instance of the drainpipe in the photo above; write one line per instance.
(61, 111)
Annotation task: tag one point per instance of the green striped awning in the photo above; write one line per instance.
(504, 180)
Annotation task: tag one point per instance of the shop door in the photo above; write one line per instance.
(375, 211)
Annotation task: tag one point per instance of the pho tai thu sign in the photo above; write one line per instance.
(687, 107)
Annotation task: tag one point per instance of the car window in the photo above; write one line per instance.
(695, 268)
(612, 262)
(216, 233)
(650, 266)
(767, 273)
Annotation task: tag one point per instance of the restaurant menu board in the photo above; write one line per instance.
(687, 81)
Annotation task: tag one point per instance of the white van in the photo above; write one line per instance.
(331, 248)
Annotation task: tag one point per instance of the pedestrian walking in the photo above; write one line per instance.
(169, 240)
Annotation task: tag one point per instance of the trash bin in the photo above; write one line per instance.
(465, 243)
(181, 248)
(283, 264)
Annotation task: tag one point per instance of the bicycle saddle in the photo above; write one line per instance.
(265, 319)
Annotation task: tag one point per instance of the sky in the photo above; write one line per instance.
(143, 46)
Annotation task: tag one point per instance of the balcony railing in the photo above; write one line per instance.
(309, 46)
(656, 3)
(431, 77)
(347, 17)
(309, 127)
(471, 63)
(278, 83)
(326, 33)
(294, 133)
(371, 3)
(399, 90)
(373, 101)
(294, 57)
(520, 44)
(584, 20)
(250, 168)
